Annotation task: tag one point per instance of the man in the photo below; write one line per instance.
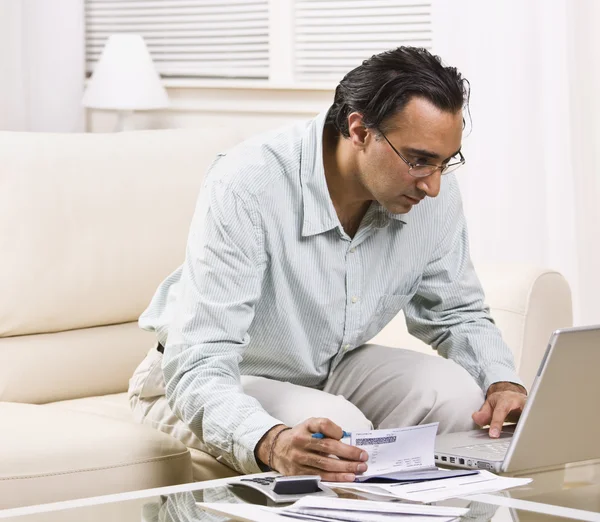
(305, 243)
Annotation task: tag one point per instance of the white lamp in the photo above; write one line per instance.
(125, 79)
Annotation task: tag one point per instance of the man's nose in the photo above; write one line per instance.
(431, 184)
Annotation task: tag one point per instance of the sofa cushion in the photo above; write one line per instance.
(64, 365)
(49, 454)
(204, 466)
(114, 406)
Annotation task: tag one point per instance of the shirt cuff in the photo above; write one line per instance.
(499, 374)
(246, 437)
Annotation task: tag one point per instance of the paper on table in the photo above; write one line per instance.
(361, 516)
(418, 475)
(348, 504)
(435, 490)
(398, 449)
(314, 518)
(252, 513)
(367, 491)
(243, 512)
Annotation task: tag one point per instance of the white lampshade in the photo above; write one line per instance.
(125, 78)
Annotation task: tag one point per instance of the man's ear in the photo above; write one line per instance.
(359, 134)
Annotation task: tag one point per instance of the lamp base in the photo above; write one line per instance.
(124, 121)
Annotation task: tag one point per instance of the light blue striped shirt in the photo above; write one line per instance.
(272, 286)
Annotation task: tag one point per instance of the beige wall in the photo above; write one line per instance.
(256, 109)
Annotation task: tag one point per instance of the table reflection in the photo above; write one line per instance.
(182, 507)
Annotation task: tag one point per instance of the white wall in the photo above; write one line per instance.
(13, 113)
(585, 121)
(531, 181)
(41, 65)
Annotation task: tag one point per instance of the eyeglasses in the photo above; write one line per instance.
(422, 170)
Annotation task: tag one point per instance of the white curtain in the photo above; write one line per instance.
(42, 65)
(531, 183)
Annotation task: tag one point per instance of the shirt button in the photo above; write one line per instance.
(352, 250)
(355, 299)
(346, 347)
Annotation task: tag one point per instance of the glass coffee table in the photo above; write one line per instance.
(569, 493)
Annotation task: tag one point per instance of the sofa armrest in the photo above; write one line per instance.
(527, 303)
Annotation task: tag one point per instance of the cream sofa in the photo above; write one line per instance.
(90, 224)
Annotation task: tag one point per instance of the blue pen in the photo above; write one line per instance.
(321, 436)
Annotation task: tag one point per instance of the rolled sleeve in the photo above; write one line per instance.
(448, 310)
(220, 284)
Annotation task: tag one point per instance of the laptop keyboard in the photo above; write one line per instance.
(497, 448)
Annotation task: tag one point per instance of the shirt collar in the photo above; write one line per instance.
(319, 213)
(403, 218)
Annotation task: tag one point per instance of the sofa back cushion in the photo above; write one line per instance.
(89, 226)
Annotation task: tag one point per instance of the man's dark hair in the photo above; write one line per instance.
(384, 84)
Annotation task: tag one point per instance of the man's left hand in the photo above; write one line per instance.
(504, 402)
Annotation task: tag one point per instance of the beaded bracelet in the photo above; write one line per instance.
(273, 446)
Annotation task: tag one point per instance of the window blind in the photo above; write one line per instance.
(187, 38)
(334, 36)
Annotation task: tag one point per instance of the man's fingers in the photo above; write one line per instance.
(298, 452)
(336, 465)
(325, 426)
(325, 463)
(337, 448)
(484, 416)
(325, 475)
(338, 477)
(515, 414)
(328, 476)
(501, 411)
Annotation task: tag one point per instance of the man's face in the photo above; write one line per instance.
(422, 133)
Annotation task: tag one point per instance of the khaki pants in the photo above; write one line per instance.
(373, 386)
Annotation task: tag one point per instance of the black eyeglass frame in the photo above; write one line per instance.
(412, 166)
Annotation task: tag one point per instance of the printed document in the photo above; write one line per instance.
(334, 509)
(435, 490)
(309, 502)
(243, 512)
(395, 450)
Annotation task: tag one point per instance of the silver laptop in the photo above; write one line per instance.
(561, 419)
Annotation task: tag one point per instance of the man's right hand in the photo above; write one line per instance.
(296, 452)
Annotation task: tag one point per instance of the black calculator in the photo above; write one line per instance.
(282, 489)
